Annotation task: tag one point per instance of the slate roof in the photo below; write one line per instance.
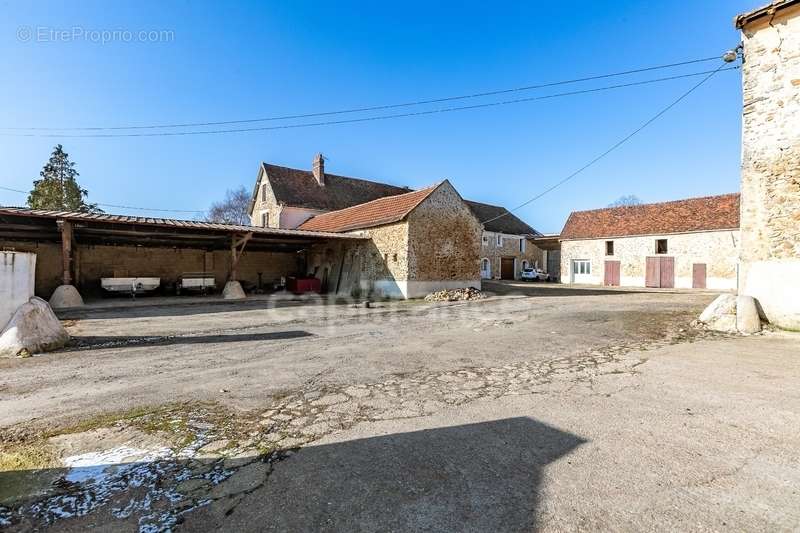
(507, 223)
(299, 188)
(708, 213)
(378, 212)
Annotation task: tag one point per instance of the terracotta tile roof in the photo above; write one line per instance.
(695, 214)
(375, 213)
(508, 223)
(299, 188)
(156, 222)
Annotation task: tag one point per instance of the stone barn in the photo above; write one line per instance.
(419, 242)
(690, 243)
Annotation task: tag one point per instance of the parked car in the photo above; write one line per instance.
(534, 274)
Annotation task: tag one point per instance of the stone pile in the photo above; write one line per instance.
(454, 295)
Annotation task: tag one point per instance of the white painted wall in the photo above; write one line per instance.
(291, 217)
(17, 279)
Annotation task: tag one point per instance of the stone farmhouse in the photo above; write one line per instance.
(287, 198)
(690, 243)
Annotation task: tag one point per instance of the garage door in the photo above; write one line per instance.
(660, 272)
(507, 268)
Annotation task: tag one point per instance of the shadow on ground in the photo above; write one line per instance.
(503, 288)
(88, 342)
(476, 477)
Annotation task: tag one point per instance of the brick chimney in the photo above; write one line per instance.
(318, 169)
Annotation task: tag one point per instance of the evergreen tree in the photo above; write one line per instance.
(58, 187)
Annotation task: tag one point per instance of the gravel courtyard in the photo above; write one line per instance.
(540, 407)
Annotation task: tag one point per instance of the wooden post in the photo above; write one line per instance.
(66, 250)
(237, 241)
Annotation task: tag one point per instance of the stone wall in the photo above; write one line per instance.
(718, 250)
(95, 262)
(770, 212)
(509, 248)
(265, 202)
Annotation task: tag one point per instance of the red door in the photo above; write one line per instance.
(699, 275)
(660, 272)
(652, 272)
(667, 272)
(611, 274)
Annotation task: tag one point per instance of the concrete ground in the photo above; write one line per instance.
(541, 408)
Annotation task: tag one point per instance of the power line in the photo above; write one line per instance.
(372, 108)
(367, 119)
(123, 206)
(615, 145)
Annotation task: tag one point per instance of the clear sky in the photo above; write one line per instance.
(240, 60)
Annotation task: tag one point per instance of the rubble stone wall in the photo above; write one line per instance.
(718, 250)
(770, 256)
(510, 247)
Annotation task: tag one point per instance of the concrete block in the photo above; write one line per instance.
(233, 291)
(34, 328)
(747, 318)
(65, 296)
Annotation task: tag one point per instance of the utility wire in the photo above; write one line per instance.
(367, 119)
(372, 108)
(122, 206)
(615, 145)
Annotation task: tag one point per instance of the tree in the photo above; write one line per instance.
(233, 209)
(58, 187)
(625, 201)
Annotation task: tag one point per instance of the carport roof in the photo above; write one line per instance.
(17, 223)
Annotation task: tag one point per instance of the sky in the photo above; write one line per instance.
(110, 64)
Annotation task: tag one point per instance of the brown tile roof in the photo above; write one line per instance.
(763, 11)
(375, 213)
(299, 188)
(507, 223)
(156, 222)
(681, 216)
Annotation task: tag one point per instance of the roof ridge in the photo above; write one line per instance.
(264, 163)
(429, 188)
(665, 202)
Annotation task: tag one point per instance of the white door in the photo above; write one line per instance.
(581, 271)
(486, 269)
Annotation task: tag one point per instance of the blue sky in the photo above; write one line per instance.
(228, 61)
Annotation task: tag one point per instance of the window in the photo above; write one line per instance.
(661, 246)
(485, 240)
(524, 265)
(485, 265)
(609, 247)
(264, 219)
(581, 266)
(499, 241)
(264, 193)
(522, 246)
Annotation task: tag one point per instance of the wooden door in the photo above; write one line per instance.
(667, 272)
(611, 274)
(507, 268)
(699, 275)
(652, 272)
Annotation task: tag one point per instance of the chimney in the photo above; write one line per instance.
(318, 169)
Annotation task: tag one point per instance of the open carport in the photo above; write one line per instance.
(81, 248)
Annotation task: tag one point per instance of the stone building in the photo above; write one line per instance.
(286, 197)
(690, 243)
(419, 242)
(505, 243)
(770, 183)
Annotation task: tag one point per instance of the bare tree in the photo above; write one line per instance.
(624, 201)
(233, 209)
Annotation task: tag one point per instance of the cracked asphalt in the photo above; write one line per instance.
(542, 408)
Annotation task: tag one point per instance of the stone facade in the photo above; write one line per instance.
(435, 247)
(718, 250)
(277, 215)
(496, 246)
(770, 184)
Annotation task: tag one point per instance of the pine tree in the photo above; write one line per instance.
(58, 187)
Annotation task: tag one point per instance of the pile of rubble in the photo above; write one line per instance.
(453, 295)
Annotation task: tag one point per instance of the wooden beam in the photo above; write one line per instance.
(238, 242)
(66, 250)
